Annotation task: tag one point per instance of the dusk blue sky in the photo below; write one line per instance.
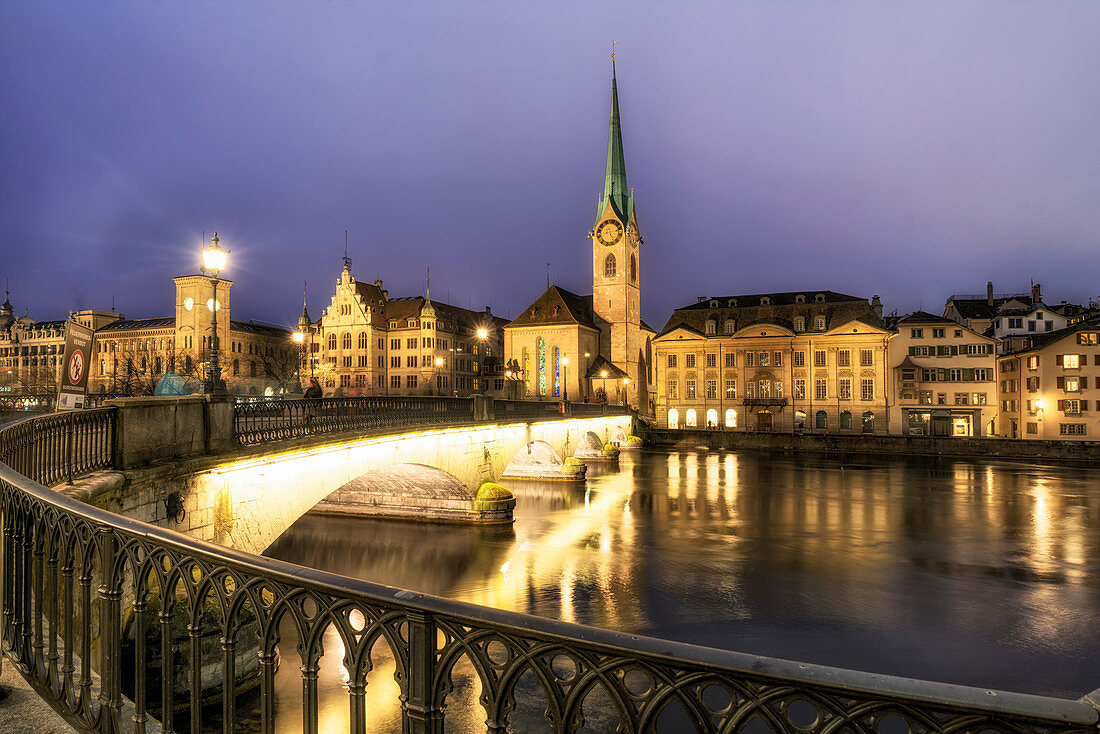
(906, 149)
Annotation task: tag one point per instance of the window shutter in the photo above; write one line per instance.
(1084, 405)
(954, 350)
(1061, 405)
(1058, 360)
(1060, 382)
(941, 375)
(1098, 382)
(912, 351)
(968, 375)
(1083, 359)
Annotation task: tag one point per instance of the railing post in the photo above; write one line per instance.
(69, 420)
(110, 634)
(421, 714)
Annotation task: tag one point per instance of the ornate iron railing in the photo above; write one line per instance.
(277, 420)
(116, 622)
(59, 446)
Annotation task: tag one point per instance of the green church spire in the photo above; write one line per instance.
(615, 188)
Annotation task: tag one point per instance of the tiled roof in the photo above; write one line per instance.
(137, 324)
(744, 310)
(255, 327)
(923, 317)
(1038, 341)
(558, 306)
(601, 364)
(455, 316)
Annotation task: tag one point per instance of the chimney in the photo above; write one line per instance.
(876, 306)
(488, 310)
(1036, 294)
(989, 293)
(700, 299)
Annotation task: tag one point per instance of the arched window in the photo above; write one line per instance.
(252, 369)
(346, 340)
(712, 418)
(731, 418)
(540, 355)
(869, 422)
(821, 420)
(331, 343)
(633, 268)
(846, 419)
(362, 340)
(609, 266)
(800, 420)
(673, 418)
(691, 421)
(526, 371)
(236, 367)
(557, 373)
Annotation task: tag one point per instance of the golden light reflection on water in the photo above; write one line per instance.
(800, 557)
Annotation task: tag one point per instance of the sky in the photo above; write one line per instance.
(906, 149)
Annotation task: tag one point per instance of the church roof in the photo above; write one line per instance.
(615, 188)
(558, 306)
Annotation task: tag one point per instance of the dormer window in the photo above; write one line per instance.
(711, 328)
(733, 302)
(714, 304)
(819, 298)
(557, 310)
(765, 301)
(800, 298)
(819, 323)
(393, 324)
(731, 326)
(799, 323)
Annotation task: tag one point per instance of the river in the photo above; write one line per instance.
(983, 573)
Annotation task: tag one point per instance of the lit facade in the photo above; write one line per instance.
(784, 362)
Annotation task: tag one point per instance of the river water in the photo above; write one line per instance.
(984, 573)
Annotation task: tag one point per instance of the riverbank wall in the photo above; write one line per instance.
(1086, 452)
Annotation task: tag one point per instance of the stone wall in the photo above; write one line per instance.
(165, 428)
(1006, 448)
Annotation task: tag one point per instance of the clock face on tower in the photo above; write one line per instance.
(609, 232)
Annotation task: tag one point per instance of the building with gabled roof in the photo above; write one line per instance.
(797, 361)
(557, 340)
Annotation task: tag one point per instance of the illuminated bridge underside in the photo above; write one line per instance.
(252, 502)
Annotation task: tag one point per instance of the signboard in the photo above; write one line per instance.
(75, 365)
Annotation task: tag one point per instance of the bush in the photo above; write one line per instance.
(610, 449)
(633, 441)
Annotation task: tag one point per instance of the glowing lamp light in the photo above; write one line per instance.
(438, 361)
(626, 380)
(507, 373)
(214, 257)
(1039, 404)
(482, 333)
(603, 373)
(565, 360)
(299, 337)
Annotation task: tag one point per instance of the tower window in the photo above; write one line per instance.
(609, 267)
(633, 269)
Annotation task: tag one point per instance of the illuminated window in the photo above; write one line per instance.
(867, 389)
(731, 418)
(673, 418)
(690, 419)
(1071, 361)
(712, 418)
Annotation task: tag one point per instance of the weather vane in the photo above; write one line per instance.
(613, 50)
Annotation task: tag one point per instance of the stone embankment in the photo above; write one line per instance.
(999, 448)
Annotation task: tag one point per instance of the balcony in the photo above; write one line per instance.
(765, 402)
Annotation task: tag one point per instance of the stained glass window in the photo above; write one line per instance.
(540, 355)
(526, 371)
(557, 373)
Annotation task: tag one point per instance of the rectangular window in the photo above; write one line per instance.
(978, 398)
(916, 333)
(750, 390)
(395, 361)
(820, 391)
(867, 389)
(799, 390)
(672, 361)
(924, 397)
(983, 374)
(690, 390)
(937, 333)
(955, 374)
(1071, 429)
(866, 357)
(395, 381)
(729, 327)
(731, 389)
(765, 361)
(799, 359)
(712, 360)
(962, 398)
(1016, 323)
(750, 359)
(1071, 361)
(1071, 406)
(765, 388)
(345, 380)
(689, 361)
(1033, 362)
(845, 389)
(410, 380)
(410, 361)
(777, 359)
(819, 358)
(778, 389)
(712, 389)
(731, 361)
(1033, 428)
(673, 393)
(844, 358)
(1073, 384)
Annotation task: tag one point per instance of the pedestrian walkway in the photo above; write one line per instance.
(22, 711)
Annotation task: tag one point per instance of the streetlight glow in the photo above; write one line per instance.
(214, 257)
(482, 333)
(299, 337)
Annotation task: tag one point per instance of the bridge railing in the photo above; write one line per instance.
(115, 622)
(59, 446)
(277, 420)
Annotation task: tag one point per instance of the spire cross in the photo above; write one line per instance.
(613, 51)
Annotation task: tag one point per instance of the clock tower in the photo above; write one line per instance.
(616, 251)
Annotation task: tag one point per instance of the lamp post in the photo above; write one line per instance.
(565, 379)
(584, 376)
(626, 381)
(213, 262)
(603, 376)
(482, 336)
(300, 340)
(438, 364)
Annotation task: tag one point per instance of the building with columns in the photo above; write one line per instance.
(593, 347)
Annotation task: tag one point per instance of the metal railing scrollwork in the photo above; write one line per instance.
(119, 623)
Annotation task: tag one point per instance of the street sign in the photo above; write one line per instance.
(75, 364)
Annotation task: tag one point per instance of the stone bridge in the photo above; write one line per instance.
(246, 497)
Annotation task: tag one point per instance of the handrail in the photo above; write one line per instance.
(57, 550)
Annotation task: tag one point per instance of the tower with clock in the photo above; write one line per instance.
(194, 299)
(616, 254)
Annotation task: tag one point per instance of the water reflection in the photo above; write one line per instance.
(981, 573)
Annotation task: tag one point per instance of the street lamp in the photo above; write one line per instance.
(483, 383)
(626, 381)
(438, 364)
(213, 262)
(565, 379)
(300, 339)
(603, 376)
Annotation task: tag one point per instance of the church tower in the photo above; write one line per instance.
(616, 243)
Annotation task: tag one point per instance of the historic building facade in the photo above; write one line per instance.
(944, 378)
(367, 343)
(800, 361)
(1049, 388)
(593, 347)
